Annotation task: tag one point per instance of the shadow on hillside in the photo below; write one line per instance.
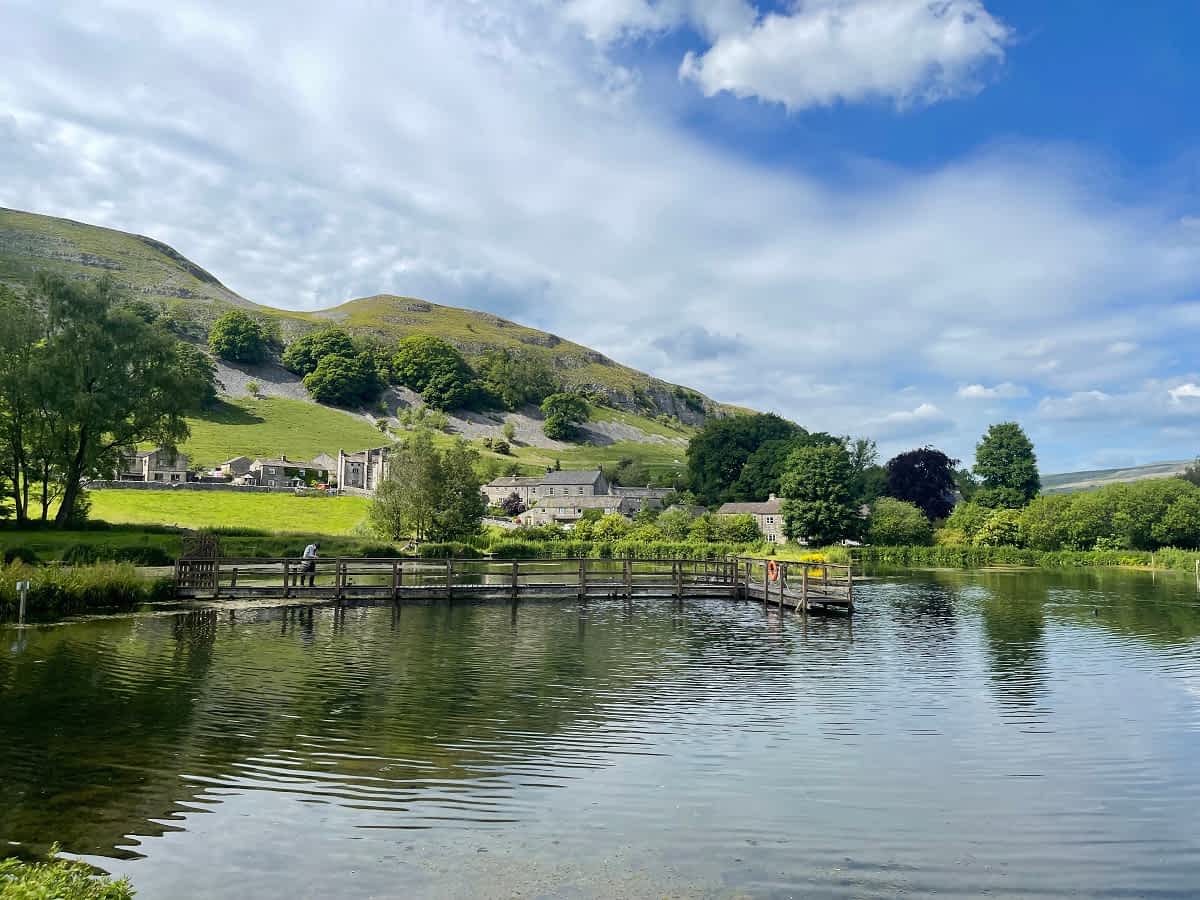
(224, 413)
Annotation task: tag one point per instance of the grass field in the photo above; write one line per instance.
(272, 427)
(214, 509)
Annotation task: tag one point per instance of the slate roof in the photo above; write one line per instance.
(767, 508)
(584, 477)
(514, 481)
(288, 464)
(601, 502)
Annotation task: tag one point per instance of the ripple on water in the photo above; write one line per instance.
(1006, 733)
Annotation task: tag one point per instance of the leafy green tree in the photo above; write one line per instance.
(1046, 523)
(870, 478)
(705, 529)
(405, 501)
(1007, 467)
(762, 472)
(611, 527)
(925, 478)
(509, 431)
(818, 505)
(718, 452)
(1180, 524)
(82, 379)
(345, 381)
(628, 472)
(675, 524)
(966, 484)
(237, 337)
(437, 371)
(1142, 505)
(1002, 529)
(429, 494)
(461, 502)
(967, 519)
(199, 367)
(738, 529)
(564, 413)
(303, 355)
(516, 378)
(513, 505)
(898, 523)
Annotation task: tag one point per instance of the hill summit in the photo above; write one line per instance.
(154, 271)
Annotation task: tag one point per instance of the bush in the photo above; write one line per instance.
(345, 381)
(237, 337)
(21, 554)
(81, 555)
(564, 414)
(59, 879)
(437, 371)
(305, 354)
(897, 522)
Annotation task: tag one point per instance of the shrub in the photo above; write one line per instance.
(57, 878)
(898, 522)
(21, 554)
(1002, 529)
(564, 414)
(345, 380)
(304, 354)
(237, 337)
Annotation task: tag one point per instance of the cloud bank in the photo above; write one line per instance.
(490, 156)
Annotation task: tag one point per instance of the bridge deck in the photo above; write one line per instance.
(799, 586)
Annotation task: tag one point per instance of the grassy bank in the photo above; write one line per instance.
(57, 879)
(68, 590)
(154, 545)
(219, 509)
(978, 557)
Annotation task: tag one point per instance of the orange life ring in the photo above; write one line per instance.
(773, 570)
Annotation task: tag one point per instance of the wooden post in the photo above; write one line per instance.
(766, 585)
(582, 578)
(679, 581)
(287, 577)
(339, 577)
(804, 589)
(629, 576)
(449, 578)
(515, 568)
(216, 579)
(233, 580)
(850, 587)
(395, 581)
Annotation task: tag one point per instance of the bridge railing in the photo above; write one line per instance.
(797, 584)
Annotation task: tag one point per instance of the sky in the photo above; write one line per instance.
(904, 219)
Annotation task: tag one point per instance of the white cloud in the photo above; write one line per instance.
(608, 21)
(925, 420)
(1004, 391)
(304, 165)
(827, 51)
(1190, 391)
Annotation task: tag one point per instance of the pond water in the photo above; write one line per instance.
(1006, 733)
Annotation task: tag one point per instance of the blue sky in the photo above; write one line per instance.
(898, 218)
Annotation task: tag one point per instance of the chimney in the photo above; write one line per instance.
(771, 498)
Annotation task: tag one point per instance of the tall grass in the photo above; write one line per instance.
(976, 557)
(65, 590)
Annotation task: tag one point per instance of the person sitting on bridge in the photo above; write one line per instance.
(309, 566)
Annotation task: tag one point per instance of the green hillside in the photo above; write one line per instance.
(1068, 482)
(273, 427)
(147, 268)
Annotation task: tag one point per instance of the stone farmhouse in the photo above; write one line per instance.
(236, 467)
(362, 472)
(284, 472)
(157, 465)
(768, 516)
(563, 497)
(565, 510)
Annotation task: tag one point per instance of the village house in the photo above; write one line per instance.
(536, 490)
(567, 510)
(326, 462)
(642, 497)
(284, 472)
(768, 517)
(500, 489)
(362, 472)
(157, 465)
(233, 468)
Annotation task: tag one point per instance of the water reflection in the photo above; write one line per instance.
(631, 748)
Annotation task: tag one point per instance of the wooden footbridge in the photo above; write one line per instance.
(798, 586)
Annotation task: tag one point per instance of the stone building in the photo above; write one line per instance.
(567, 510)
(362, 472)
(768, 516)
(284, 472)
(157, 465)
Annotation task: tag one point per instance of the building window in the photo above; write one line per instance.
(158, 476)
(770, 520)
(174, 476)
(271, 483)
(581, 492)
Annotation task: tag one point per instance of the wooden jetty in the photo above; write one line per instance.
(789, 585)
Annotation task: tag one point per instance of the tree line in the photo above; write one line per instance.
(340, 370)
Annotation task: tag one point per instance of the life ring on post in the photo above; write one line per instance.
(772, 570)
